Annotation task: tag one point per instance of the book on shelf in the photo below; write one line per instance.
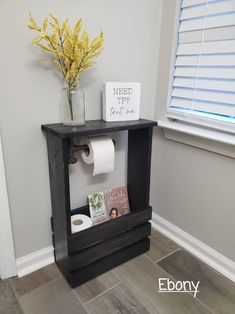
(108, 205)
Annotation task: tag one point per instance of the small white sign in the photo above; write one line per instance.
(121, 101)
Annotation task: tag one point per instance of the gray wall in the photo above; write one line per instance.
(29, 96)
(191, 188)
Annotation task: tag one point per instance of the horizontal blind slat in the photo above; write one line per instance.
(210, 22)
(190, 37)
(189, 3)
(216, 108)
(206, 95)
(206, 60)
(210, 34)
(213, 47)
(207, 84)
(209, 9)
(206, 72)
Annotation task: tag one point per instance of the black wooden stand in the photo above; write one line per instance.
(91, 252)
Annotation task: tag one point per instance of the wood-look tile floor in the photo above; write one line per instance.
(129, 288)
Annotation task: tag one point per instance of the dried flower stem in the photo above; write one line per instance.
(73, 50)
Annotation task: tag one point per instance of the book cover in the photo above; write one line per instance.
(97, 208)
(116, 202)
(109, 204)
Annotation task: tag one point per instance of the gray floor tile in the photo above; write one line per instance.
(96, 286)
(216, 291)
(160, 246)
(117, 300)
(141, 276)
(54, 298)
(35, 280)
(8, 301)
(129, 288)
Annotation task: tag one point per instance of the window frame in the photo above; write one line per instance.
(193, 120)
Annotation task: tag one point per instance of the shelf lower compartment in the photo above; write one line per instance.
(104, 264)
(108, 229)
(106, 247)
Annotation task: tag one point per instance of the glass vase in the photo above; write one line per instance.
(72, 103)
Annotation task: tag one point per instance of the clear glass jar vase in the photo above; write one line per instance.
(72, 104)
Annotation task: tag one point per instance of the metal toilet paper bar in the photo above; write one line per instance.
(76, 148)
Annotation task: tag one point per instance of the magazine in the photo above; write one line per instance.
(109, 204)
(116, 202)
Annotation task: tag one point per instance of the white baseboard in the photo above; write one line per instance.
(205, 253)
(39, 259)
(34, 261)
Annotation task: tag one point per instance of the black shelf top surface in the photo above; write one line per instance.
(96, 127)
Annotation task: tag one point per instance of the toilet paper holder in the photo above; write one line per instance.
(73, 149)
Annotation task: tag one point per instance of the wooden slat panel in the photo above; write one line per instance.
(104, 248)
(104, 264)
(139, 167)
(59, 183)
(108, 229)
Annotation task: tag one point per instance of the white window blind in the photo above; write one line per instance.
(203, 83)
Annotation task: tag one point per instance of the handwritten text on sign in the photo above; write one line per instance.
(121, 101)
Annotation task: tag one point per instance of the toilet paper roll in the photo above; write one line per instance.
(80, 222)
(101, 153)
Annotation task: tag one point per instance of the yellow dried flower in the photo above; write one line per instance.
(73, 50)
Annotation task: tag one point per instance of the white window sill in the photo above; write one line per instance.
(210, 140)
